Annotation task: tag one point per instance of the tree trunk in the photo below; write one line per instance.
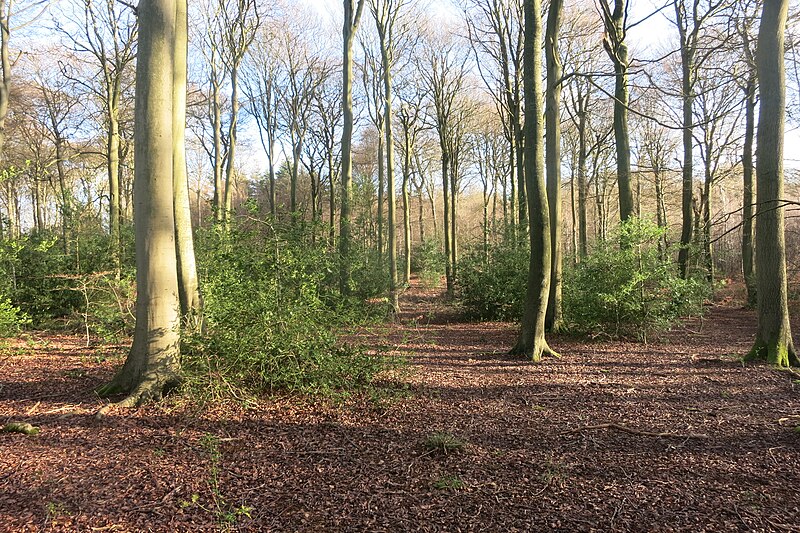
(687, 70)
(448, 270)
(153, 364)
(531, 342)
(617, 49)
(553, 320)
(231, 159)
(748, 266)
(774, 334)
(351, 19)
(188, 285)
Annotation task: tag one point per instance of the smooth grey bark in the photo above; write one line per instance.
(531, 342)
(352, 16)
(188, 284)
(773, 341)
(153, 363)
(554, 318)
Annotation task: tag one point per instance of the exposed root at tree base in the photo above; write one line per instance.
(151, 389)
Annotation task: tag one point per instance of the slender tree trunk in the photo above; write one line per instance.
(748, 266)
(351, 20)
(406, 207)
(531, 342)
(774, 334)
(583, 238)
(707, 204)
(448, 265)
(230, 163)
(188, 284)
(216, 110)
(553, 320)
(112, 155)
(153, 364)
(381, 191)
(687, 80)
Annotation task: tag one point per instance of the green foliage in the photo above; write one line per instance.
(428, 261)
(624, 289)
(12, 320)
(448, 483)
(272, 314)
(493, 288)
(443, 443)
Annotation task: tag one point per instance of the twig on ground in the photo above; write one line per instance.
(633, 431)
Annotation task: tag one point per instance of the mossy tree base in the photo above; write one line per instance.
(778, 352)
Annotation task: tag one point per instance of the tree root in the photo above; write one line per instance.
(151, 389)
(633, 431)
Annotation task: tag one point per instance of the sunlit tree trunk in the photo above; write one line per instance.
(153, 363)
(188, 285)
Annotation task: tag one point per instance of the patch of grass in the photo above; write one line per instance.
(449, 483)
(443, 443)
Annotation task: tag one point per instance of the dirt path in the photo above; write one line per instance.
(530, 461)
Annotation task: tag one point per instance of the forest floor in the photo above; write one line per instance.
(670, 436)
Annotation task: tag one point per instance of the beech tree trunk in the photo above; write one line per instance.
(188, 285)
(553, 161)
(531, 342)
(153, 363)
(774, 334)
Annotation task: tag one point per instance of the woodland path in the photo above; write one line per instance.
(530, 462)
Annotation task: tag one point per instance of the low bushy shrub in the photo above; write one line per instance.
(624, 289)
(272, 315)
(12, 320)
(493, 287)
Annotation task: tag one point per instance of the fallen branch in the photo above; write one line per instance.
(633, 431)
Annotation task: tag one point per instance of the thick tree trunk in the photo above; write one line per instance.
(687, 75)
(774, 334)
(553, 320)
(153, 364)
(531, 342)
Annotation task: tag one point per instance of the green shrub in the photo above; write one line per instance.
(12, 320)
(428, 261)
(493, 288)
(272, 315)
(623, 288)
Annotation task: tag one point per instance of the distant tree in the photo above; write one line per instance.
(615, 43)
(352, 16)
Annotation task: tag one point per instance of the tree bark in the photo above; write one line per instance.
(531, 342)
(188, 284)
(352, 15)
(153, 363)
(774, 334)
(748, 264)
(553, 320)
